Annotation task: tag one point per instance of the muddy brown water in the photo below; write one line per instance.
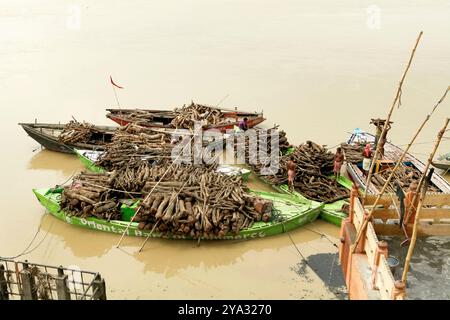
(317, 68)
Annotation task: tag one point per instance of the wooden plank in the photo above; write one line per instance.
(437, 199)
(385, 280)
(385, 200)
(441, 229)
(371, 243)
(431, 199)
(425, 213)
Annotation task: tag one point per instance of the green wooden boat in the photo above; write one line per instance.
(85, 157)
(289, 213)
(330, 212)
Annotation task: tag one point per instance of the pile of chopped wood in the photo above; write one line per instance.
(90, 195)
(133, 142)
(313, 165)
(76, 132)
(243, 142)
(194, 201)
(404, 176)
(188, 115)
(353, 152)
(199, 202)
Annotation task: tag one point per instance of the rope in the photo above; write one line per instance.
(26, 251)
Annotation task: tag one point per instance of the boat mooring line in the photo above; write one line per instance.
(26, 251)
(298, 250)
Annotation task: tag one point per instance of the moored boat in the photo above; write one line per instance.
(291, 212)
(164, 118)
(392, 153)
(48, 135)
(442, 162)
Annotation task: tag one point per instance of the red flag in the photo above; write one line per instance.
(115, 85)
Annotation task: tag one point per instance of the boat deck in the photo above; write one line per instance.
(393, 153)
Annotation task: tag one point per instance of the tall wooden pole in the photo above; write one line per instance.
(397, 165)
(397, 101)
(419, 206)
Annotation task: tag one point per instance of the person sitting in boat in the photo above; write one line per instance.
(338, 161)
(243, 124)
(367, 155)
(291, 174)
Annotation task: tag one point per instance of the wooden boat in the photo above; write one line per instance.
(442, 162)
(392, 153)
(330, 212)
(47, 135)
(291, 212)
(163, 118)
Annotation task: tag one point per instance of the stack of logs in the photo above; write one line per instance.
(193, 201)
(188, 115)
(245, 148)
(404, 176)
(353, 152)
(199, 202)
(90, 195)
(313, 165)
(134, 142)
(76, 132)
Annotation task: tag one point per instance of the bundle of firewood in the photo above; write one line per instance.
(199, 202)
(186, 116)
(353, 152)
(76, 132)
(90, 195)
(134, 142)
(313, 165)
(243, 148)
(404, 176)
(195, 201)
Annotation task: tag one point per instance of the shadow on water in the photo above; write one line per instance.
(326, 266)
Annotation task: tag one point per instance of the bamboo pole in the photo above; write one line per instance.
(397, 165)
(422, 198)
(397, 101)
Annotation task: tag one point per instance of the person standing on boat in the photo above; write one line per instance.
(367, 155)
(338, 161)
(291, 167)
(243, 124)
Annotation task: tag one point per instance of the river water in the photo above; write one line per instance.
(317, 68)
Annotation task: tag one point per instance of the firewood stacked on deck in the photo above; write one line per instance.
(186, 116)
(404, 175)
(135, 142)
(353, 152)
(76, 132)
(90, 195)
(242, 142)
(198, 202)
(313, 164)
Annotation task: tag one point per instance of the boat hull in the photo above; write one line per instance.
(252, 122)
(297, 212)
(44, 135)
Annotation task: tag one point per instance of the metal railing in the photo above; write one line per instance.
(31, 281)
